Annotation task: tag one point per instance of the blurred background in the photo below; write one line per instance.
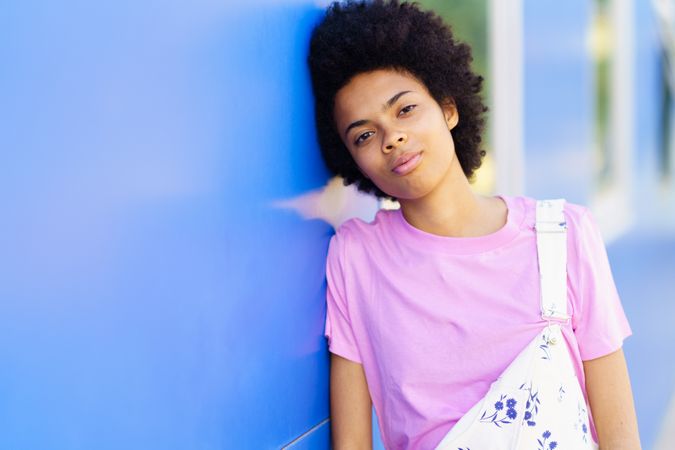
(166, 213)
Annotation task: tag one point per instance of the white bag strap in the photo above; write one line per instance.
(551, 231)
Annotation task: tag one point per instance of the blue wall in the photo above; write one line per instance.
(150, 295)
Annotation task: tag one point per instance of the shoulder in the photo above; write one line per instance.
(355, 230)
(583, 234)
(351, 248)
(575, 214)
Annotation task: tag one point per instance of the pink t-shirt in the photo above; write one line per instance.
(434, 320)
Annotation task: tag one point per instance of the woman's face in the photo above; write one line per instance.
(384, 115)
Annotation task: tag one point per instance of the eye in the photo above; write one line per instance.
(361, 138)
(408, 108)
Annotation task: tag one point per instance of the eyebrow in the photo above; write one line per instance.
(386, 106)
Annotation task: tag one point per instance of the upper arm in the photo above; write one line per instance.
(350, 405)
(611, 401)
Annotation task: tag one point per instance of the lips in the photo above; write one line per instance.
(402, 159)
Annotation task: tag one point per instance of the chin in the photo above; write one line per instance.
(408, 194)
(415, 188)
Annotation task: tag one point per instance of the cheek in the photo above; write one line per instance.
(372, 167)
(431, 126)
(441, 134)
(367, 165)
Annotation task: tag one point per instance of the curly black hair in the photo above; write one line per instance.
(361, 36)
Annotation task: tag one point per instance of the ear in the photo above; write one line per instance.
(450, 112)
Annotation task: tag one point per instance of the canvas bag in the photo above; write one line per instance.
(537, 401)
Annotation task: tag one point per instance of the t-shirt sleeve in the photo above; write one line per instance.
(338, 328)
(600, 323)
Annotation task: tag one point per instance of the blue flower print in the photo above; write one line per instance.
(544, 347)
(496, 417)
(561, 392)
(542, 443)
(531, 406)
(582, 420)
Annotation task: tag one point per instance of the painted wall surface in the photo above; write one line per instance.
(151, 295)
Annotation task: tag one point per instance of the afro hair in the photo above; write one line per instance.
(361, 36)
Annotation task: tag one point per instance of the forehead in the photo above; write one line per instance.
(367, 92)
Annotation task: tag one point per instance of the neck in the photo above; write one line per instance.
(453, 209)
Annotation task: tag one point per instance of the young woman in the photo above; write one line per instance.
(437, 310)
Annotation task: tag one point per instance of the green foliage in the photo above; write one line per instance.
(469, 22)
(468, 19)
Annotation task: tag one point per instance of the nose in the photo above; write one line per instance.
(396, 139)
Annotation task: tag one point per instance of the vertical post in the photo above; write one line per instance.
(612, 205)
(623, 117)
(506, 72)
